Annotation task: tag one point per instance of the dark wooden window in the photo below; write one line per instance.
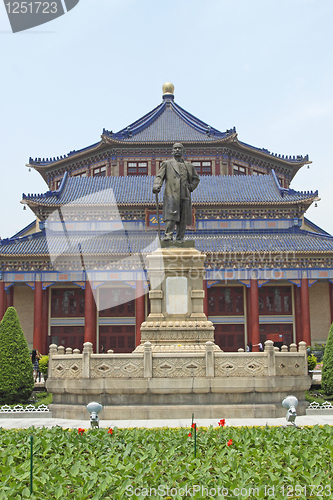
(68, 336)
(275, 300)
(203, 167)
(238, 170)
(224, 301)
(67, 302)
(81, 174)
(257, 172)
(123, 297)
(119, 338)
(137, 168)
(99, 171)
(229, 337)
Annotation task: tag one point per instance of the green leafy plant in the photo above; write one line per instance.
(43, 364)
(96, 465)
(327, 371)
(312, 362)
(16, 377)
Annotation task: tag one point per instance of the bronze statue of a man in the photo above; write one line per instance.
(180, 179)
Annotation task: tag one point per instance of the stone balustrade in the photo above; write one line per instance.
(177, 363)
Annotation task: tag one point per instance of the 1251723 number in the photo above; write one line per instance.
(311, 490)
(32, 7)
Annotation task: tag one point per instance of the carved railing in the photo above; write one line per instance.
(69, 364)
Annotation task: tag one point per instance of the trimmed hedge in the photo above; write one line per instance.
(16, 374)
(327, 371)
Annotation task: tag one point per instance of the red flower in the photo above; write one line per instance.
(190, 435)
(222, 422)
(81, 431)
(229, 443)
(110, 431)
(193, 426)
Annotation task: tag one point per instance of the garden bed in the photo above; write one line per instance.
(253, 462)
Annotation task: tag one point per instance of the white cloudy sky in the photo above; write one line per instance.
(264, 66)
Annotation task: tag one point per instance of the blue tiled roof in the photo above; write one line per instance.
(314, 227)
(116, 243)
(294, 159)
(167, 123)
(138, 191)
(25, 230)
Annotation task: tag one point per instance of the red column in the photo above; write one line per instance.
(305, 311)
(331, 299)
(139, 311)
(2, 299)
(9, 300)
(298, 314)
(89, 316)
(248, 315)
(45, 321)
(38, 309)
(205, 303)
(255, 315)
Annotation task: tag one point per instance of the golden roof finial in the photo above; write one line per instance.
(168, 88)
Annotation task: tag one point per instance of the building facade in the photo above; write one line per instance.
(78, 273)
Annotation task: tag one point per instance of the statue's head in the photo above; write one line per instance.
(178, 150)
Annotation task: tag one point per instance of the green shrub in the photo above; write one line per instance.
(43, 364)
(16, 378)
(312, 362)
(327, 371)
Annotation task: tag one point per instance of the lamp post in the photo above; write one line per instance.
(290, 402)
(94, 409)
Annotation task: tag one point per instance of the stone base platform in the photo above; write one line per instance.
(162, 384)
(178, 398)
(179, 411)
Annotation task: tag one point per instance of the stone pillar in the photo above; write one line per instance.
(303, 349)
(86, 353)
(205, 287)
(298, 313)
(2, 299)
(305, 311)
(38, 309)
(254, 315)
(269, 350)
(139, 311)
(209, 359)
(53, 350)
(89, 316)
(45, 320)
(147, 360)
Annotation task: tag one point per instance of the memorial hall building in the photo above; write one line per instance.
(78, 272)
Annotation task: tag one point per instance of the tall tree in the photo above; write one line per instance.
(327, 371)
(16, 377)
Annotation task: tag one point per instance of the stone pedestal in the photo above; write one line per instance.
(176, 301)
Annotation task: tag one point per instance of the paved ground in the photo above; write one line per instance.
(11, 423)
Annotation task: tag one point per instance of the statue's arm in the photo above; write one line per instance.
(195, 179)
(158, 181)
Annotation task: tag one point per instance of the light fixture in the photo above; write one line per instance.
(290, 402)
(316, 205)
(24, 208)
(94, 409)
